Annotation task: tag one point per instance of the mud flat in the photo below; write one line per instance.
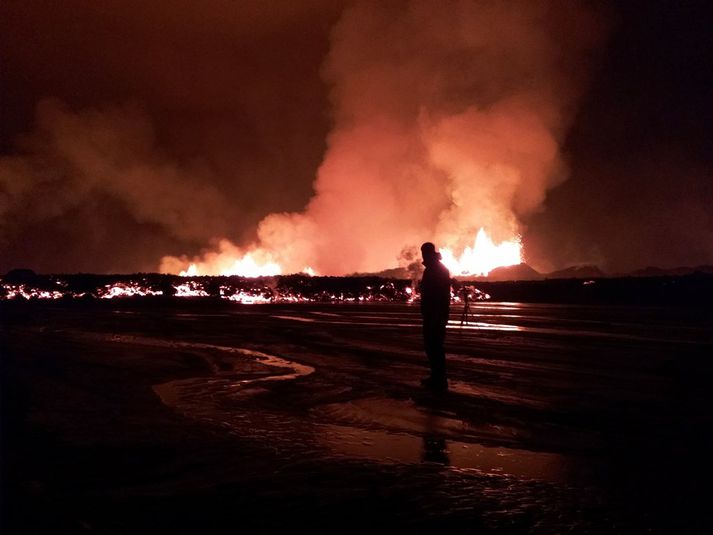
(208, 417)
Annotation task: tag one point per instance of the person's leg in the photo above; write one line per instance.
(438, 357)
(430, 344)
(433, 340)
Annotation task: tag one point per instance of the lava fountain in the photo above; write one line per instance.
(230, 260)
(484, 256)
(478, 260)
(448, 118)
(254, 264)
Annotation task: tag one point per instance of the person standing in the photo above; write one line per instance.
(435, 304)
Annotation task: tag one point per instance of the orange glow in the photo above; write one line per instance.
(120, 289)
(190, 271)
(476, 260)
(287, 290)
(243, 267)
(241, 296)
(252, 264)
(15, 291)
(484, 256)
(190, 289)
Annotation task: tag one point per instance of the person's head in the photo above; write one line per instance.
(429, 253)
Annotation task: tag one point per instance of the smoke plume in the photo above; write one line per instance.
(448, 117)
(73, 157)
(445, 117)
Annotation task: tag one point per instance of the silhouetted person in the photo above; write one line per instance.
(466, 306)
(435, 302)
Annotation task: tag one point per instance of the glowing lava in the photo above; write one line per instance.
(247, 266)
(478, 260)
(131, 289)
(255, 264)
(190, 289)
(246, 298)
(483, 257)
(14, 291)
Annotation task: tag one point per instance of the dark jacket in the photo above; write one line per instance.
(435, 291)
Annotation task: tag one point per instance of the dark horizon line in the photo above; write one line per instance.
(589, 271)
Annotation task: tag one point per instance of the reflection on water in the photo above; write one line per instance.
(248, 368)
(629, 324)
(479, 325)
(435, 447)
(386, 447)
(296, 318)
(435, 450)
(384, 322)
(393, 431)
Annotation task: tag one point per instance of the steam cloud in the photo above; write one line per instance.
(448, 117)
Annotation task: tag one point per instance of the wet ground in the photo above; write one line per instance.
(204, 417)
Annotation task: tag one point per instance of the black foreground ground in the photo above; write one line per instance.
(153, 416)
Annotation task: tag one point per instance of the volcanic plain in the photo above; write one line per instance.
(207, 416)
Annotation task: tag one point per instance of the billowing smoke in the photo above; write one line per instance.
(72, 158)
(130, 131)
(448, 117)
(445, 117)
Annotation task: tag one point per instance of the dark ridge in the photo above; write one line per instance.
(577, 272)
(20, 275)
(520, 272)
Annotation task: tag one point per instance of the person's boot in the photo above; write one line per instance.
(437, 384)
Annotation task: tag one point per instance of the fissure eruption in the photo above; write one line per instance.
(448, 120)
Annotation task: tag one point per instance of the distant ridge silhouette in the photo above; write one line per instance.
(525, 272)
(585, 271)
(518, 272)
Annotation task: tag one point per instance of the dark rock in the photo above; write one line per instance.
(20, 275)
(577, 272)
(519, 272)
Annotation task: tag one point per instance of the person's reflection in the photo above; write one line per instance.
(435, 450)
(435, 447)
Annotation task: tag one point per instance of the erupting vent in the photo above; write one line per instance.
(478, 260)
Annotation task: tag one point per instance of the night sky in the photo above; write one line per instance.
(640, 191)
(209, 116)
